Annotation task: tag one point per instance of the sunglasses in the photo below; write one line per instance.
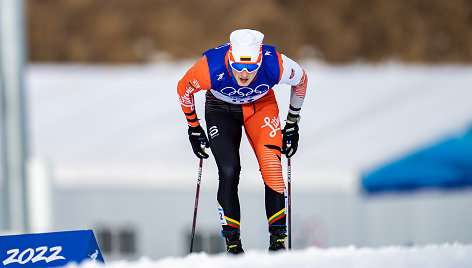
(250, 67)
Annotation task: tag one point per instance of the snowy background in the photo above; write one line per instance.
(122, 125)
(113, 141)
(108, 148)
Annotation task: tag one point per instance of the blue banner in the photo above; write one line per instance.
(48, 249)
(444, 165)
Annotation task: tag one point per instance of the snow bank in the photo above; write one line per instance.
(430, 256)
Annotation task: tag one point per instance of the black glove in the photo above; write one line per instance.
(198, 140)
(290, 139)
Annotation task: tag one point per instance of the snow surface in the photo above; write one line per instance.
(429, 256)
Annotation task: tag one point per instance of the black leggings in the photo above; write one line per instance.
(224, 125)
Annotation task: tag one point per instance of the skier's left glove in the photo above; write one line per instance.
(198, 140)
(290, 139)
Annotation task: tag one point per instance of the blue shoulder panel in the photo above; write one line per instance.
(270, 63)
(216, 60)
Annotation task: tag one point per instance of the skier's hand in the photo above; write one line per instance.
(198, 140)
(290, 139)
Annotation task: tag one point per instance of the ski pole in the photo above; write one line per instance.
(197, 196)
(289, 197)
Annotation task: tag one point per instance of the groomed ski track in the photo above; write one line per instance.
(428, 256)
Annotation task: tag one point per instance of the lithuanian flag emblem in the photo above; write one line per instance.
(192, 85)
(232, 222)
(277, 216)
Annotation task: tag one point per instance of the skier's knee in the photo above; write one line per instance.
(229, 173)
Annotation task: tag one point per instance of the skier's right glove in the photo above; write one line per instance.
(198, 140)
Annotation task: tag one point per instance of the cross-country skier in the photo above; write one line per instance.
(239, 77)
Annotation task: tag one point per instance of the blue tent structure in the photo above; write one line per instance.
(445, 165)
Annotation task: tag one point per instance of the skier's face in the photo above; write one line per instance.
(244, 78)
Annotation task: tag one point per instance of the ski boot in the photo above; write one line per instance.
(233, 242)
(277, 237)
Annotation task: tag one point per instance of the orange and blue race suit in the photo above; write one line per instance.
(230, 107)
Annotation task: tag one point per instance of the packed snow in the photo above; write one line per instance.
(429, 256)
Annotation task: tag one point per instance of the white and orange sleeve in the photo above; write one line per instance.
(295, 76)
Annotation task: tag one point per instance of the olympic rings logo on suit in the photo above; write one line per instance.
(243, 92)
